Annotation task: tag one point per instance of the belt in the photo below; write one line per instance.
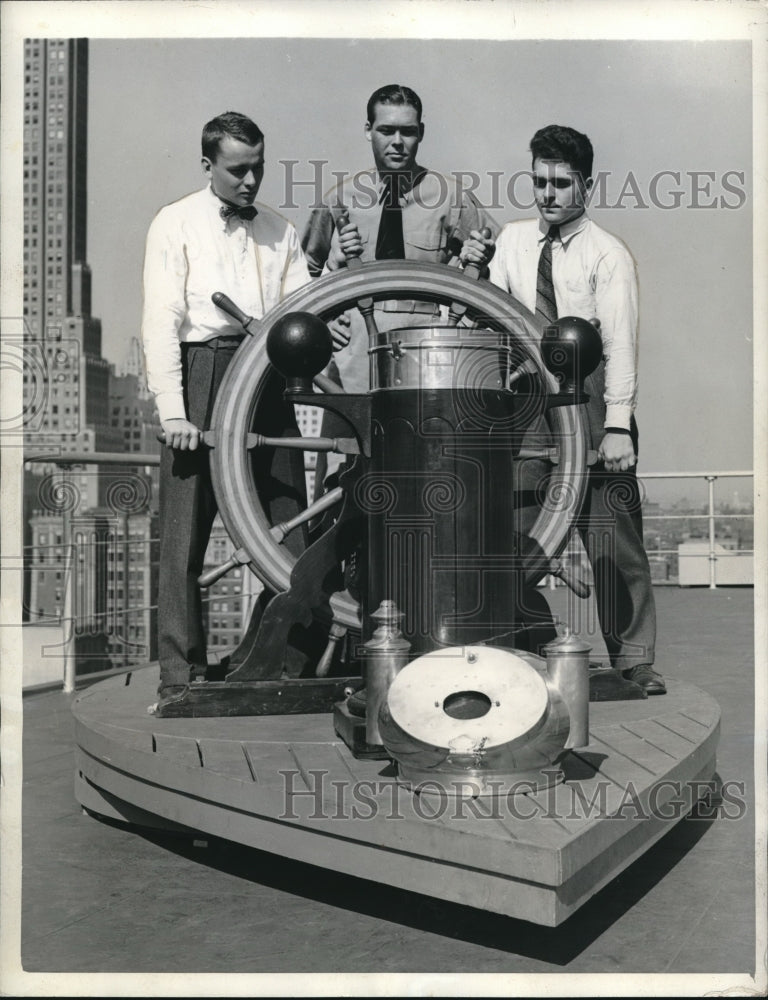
(217, 343)
(408, 306)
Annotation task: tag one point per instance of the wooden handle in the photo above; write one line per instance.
(225, 303)
(328, 500)
(528, 367)
(550, 454)
(353, 261)
(338, 631)
(328, 386)
(458, 310)
(473, 270)
(237, 559)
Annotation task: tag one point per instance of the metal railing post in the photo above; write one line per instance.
(711, 517)
(68, 611)
(126, 583)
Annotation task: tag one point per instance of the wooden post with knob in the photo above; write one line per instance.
(458, 310)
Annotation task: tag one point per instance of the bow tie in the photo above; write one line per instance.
(247, 212)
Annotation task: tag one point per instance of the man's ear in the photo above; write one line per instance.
(206, 164)
(368, 128)
(421, 131)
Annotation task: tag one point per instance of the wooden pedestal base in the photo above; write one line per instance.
(287, 785)
(208, 699)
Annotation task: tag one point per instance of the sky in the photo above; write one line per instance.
(648, 107)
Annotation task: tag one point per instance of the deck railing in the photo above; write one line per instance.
(80, 599)
(711, 516)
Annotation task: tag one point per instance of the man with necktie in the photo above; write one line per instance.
(563, 264)
(216, 239)
(397, 211)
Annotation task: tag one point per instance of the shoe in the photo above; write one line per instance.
(167, 692)
(646, 678)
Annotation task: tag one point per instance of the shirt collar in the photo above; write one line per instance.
(213, 199)
(407, 183)
(215, 204)
(567, 231)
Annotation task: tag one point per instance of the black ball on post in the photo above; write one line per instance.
(572, 348)
(299, 345)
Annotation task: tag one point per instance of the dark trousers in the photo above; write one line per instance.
(187, 511)
(188, 507)
(611, 527)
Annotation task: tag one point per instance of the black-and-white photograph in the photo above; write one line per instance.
(383, 498)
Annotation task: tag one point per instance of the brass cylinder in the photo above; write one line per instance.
(386, 653)
(568, 669)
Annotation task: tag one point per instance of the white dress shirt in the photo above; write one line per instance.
(594, 277)
(191, 253)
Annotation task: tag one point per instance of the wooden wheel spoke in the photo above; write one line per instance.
(330, 499)
(341, 446)
(366, 311)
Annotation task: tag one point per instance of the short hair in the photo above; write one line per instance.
(233, 124)
(393, 93)
(558, 142)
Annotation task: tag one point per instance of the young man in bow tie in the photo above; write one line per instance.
(216, 239)
(563, 264)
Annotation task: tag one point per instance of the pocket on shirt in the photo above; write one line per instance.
(424, 249)
(578, 287)
(581, 302)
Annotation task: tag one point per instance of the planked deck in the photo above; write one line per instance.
(288, 785)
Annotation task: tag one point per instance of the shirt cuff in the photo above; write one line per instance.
(618, 415)
(170, 406)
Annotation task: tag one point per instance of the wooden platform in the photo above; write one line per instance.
(286, 784)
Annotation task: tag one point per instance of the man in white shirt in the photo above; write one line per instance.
(563, 264)
(216, 239)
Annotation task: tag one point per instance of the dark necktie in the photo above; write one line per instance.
(247, 212)
(546, 305)
(389, 242)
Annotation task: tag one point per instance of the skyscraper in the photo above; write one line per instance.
(72, 405)
(66, 380)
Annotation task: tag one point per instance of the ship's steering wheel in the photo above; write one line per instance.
(249, 384)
